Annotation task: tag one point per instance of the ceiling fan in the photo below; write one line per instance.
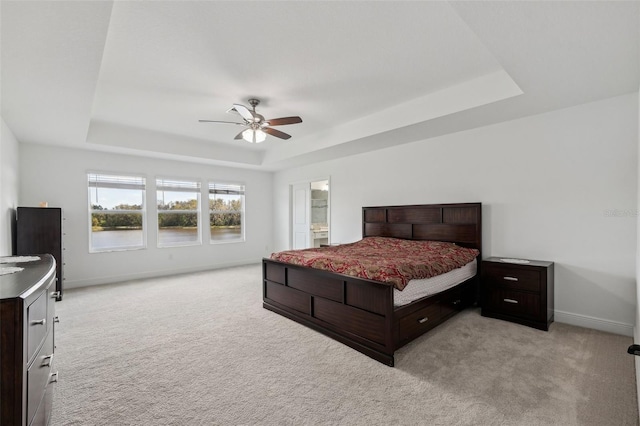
(258, 126)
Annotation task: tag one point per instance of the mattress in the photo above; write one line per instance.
(393, 261)
(418, 288)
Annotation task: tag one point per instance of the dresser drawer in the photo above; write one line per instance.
(36, 324)
(51, 304)
(512, 302)
(420, 321)
(43, 414)
(512, 278)
(38, 376)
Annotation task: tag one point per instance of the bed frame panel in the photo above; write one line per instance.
(360, 312)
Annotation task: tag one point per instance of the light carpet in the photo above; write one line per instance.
(199, 349)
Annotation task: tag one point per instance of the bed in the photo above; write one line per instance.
(360, 312)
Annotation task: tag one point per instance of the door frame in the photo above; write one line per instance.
(308, 181)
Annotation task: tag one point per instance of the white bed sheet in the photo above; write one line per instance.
(416, 289)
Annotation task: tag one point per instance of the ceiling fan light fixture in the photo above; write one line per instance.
(254, 136)
(257, 125)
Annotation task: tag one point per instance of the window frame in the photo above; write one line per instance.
(242, 189)
(117, 185)
(175, 184)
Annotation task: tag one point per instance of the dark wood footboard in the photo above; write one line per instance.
(356, 312)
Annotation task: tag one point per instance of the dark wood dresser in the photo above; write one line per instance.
(39, 230)
(518, 292)
(27, 316)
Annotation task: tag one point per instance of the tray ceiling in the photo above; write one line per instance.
(135, 77)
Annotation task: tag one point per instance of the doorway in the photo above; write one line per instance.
(310, 214)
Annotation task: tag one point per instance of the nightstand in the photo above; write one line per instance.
(518, 292)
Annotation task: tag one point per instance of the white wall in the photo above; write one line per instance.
(8, 187)
(58, 176)
(547, 184)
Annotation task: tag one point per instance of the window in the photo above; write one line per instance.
(116, 211)
(178, 212)
(226, 212)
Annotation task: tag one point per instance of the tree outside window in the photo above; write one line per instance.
(116, 212)
(226, 212)
(178, 212)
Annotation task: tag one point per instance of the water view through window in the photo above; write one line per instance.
(107, 239)
(116, 206)
(133, 237)
(226, 212)
(118, 214)
(178, 212)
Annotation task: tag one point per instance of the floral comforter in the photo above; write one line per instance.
(389, 260)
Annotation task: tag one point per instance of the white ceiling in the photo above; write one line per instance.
(135, 77)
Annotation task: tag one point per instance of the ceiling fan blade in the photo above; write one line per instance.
(239, 135)
(276, 133)
(244, 112)
(216, 121)
(284, 120)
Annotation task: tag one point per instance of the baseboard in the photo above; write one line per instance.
(153, 274)
(609, 326)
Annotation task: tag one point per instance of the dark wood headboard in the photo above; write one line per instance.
(456, 223)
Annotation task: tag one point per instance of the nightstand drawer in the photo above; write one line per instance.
(511, 302)
(512, 278)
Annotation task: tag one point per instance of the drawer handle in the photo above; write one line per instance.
(47, 358)
(511, 301)
(55, 294)
(510, 278)
(53, 377)
(457, 302)
(423, 320)
(43, 321)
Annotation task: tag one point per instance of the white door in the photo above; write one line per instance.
(301, 216)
